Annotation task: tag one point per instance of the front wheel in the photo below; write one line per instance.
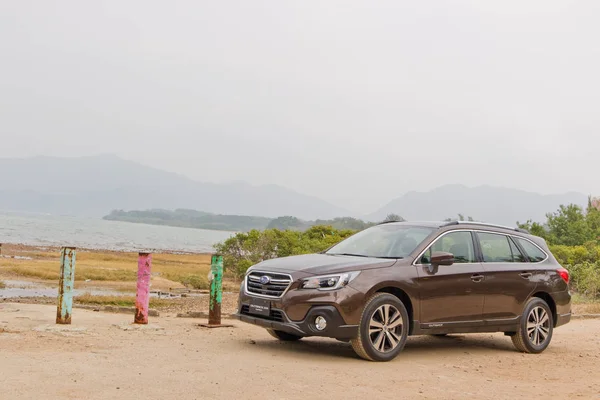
(284, 336)
(536, 327)
(383, 328)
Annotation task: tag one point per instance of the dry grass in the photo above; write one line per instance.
(121, 301)
(188, 269)
(2, 285)
(585, 305)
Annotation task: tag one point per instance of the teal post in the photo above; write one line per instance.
(216, 290)
(65, 285)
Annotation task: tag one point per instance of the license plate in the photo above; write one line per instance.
(260, 307)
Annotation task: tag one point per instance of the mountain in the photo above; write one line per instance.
(484, 203)
(93, 186)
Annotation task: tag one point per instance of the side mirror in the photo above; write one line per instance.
(442, 258)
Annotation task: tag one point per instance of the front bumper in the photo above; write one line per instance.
(278, 320)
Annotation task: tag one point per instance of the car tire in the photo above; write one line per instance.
(373, 343)
(284, 336)
(535, 328)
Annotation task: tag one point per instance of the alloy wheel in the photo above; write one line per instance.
(385, 328)
(538, 326)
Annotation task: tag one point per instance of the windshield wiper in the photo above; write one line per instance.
(346, 254)
(362, 255)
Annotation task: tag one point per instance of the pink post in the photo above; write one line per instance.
(142, 300)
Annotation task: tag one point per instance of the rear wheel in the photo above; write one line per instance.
(284, 336)
(536, 327)
(383, 328)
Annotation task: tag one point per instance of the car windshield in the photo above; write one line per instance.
(383, 241)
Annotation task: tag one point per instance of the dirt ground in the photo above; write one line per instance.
(105, 356)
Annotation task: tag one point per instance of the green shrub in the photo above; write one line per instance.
(195, 281)
(571, 255)
(585, 278)
(243, 250)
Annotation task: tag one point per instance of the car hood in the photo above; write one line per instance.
(318, 264)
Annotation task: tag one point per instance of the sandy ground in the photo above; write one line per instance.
(104, 356)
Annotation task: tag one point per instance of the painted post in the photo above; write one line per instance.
(65, 286)
(216, 290)
(142, 299)
(0, 249)
(216, 294)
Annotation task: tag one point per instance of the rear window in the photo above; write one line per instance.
(533, 252)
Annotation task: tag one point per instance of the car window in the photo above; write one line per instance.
(534, 253)
(518, 256)
(495, 247)
(460, 244)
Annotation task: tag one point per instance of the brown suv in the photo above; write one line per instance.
(406, 278)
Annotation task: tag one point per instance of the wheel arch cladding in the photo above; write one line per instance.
(405, 299)
(548, 299)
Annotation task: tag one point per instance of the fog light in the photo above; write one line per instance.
(320, 323)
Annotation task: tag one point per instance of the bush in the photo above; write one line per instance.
(243, 250)
(585, 278)
(571, 255)
(196, 282)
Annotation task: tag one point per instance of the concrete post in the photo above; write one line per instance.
(65, 285)
(142, 300)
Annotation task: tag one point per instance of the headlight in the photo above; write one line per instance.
(328, 282)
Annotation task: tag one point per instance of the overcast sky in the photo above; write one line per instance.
(353, 101)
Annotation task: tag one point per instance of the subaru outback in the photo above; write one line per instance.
(400, 279)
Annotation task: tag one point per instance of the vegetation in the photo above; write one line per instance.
(2, 285)
(343, 223)
(570, 225)
(120, 301)
(237, 223)
(460, 218)
(246, 249)
(573, 235)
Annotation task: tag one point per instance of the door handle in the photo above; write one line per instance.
(525, 275)
(476, 278)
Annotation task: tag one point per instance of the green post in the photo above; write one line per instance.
(65, 285)
(216, 290)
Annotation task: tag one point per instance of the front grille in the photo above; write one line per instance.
(275, 315)
(275, 287)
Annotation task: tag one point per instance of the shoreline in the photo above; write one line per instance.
(24, 247)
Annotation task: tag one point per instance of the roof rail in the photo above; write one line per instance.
(487, 224)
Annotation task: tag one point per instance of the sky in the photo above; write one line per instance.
(356, 102)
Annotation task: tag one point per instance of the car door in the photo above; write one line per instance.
(509, 278)
(451, 295)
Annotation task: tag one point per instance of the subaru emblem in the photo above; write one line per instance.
(265, 279)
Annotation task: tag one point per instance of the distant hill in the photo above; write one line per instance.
(203, 220)
(483, 203)
(93, 186)
(191, 219)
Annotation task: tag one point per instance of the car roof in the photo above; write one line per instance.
(466, 224)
